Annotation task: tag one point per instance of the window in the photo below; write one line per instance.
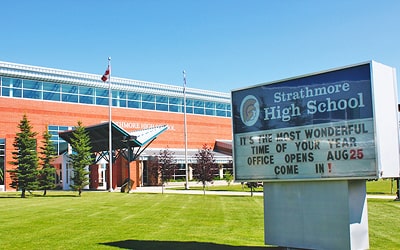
(51, 91)
(122, 103)
(221, 109)
(198, 107)
(32, 85)
(60, 145)
(189, 103)
(119, 98)
(210, 105)
(69, 98)
(71, 89)
(176, 101)
(210, 108)
(85, 91)
(32, 89)
(86, 99)
(189, 110)
(102, 101)
(221, 113)
(148, 98)
(147, 105)
(2, 156)
(54, 87)
(134, 96)
(221, 106)
(210, 111)
(119, 103)
(11, 82)
(161, 99)
(69, 93)
(51, 96)
(148, 102)
(161, 103)
(162, 107)
(32, 94)
(134, 104)
(11, 87)
(118, 94)
(174, 108)
(101, 92)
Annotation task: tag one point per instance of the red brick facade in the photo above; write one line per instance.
(201, 129)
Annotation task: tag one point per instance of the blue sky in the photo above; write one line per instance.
(221, 44)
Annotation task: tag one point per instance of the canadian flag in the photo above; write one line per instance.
(106, 75)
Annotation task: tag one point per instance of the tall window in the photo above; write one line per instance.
(2, 156)
(60, 145)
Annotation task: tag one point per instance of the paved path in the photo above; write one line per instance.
(168, 190)
(208, 192)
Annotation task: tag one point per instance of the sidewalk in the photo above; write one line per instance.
(168, 189)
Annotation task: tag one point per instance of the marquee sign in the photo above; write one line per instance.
(311, 127)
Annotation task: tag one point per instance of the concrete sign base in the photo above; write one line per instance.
(316, 214)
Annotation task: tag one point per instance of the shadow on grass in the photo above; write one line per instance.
(9, 196)
(37, 195)
(383, 193)
(176, 245)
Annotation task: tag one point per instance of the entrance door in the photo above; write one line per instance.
(102, 177)
(145, 174)
(94, 177)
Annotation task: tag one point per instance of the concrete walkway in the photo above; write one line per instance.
(169, 189)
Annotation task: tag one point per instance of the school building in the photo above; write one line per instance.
(146, 117)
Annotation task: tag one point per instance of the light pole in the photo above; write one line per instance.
(185, 131)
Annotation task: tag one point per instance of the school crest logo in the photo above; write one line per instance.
(249, 110)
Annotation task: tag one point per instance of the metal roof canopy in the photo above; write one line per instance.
(99, 136)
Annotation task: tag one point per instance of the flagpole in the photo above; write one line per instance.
(110, 163)
(185, 130)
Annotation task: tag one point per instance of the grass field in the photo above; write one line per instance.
(103, 220)
(381, 187)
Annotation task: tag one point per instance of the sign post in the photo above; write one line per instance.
(314, 140)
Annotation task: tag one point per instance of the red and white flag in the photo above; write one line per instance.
(106, 75)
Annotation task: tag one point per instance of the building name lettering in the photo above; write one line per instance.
(312, 106)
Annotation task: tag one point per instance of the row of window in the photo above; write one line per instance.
(15, 87)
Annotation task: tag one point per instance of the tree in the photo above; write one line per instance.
(25, 158)
(47, 171)
(167, 163)
(153, 170)
(252, 186)
(228, 177)
(162, 166)
(81, 158)
(206, 167)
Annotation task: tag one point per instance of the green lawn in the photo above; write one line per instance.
(381, 187)
(102, 220)
(99, 220)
